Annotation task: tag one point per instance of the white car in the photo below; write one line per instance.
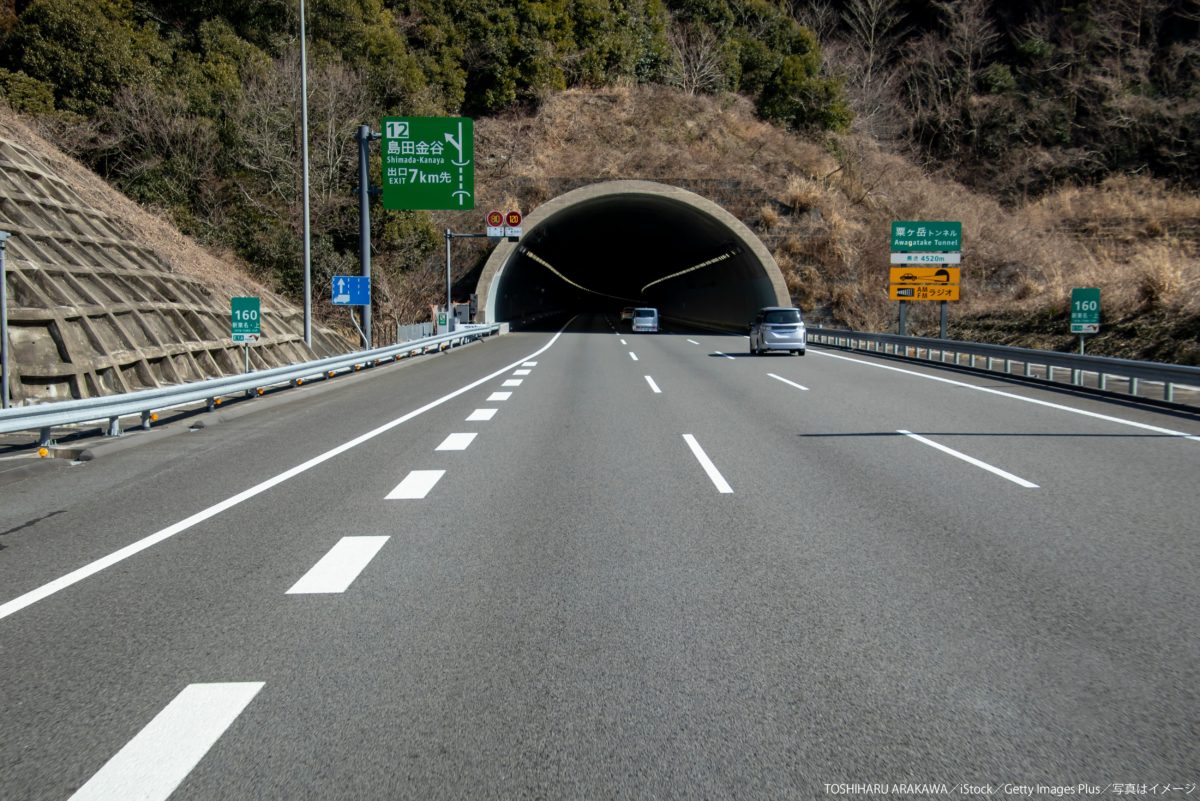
(645, 319)
(778, 328)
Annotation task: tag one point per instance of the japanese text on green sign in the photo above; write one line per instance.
(927, 236)
(428, 163)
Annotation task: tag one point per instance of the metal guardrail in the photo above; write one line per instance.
(44, 417)
(1034, 363)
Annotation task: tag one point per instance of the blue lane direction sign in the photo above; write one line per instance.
(351, 290)
(244, 319)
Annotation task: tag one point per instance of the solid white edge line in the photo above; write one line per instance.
(159, 757)
(970, 460)
(1002, 394)
(336, 570)
(62, 582)
(714, 474)
(415, 486)
(653, 386)
(784, 380)
(457, 442)
(481, 415)
(633, 356)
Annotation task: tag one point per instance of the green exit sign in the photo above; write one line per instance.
(1085, 310)
(926, 236)
(428, 163)
(245, 320)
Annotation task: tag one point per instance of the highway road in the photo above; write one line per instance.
(586, 564)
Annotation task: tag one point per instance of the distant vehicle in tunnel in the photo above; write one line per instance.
(778, 328)
(627, 313)
(645, 319)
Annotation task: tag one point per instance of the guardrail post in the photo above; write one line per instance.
(1168, 392)
(989, 363)
(1007, 366)
(1077, 377)
(210, 404)
(1103, 378)
(114, 426)
(145, 421)
(44, 440)
(1028, 370)
(1133, 387)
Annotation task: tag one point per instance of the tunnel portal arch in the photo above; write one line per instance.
(631, 243)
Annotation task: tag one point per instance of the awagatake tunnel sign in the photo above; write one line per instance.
(428, 163)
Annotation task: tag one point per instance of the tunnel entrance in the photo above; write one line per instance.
(632, 243)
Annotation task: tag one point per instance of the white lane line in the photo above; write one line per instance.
(161, 755)
(784, 380)
(62, 582)
(726, 355)
(633, 356)
(336, 570)
(1002, 394)
(456, 442)
(529, 364)
(623, 342)
(481, 414)
(653, 386)
(513, 382)
(498, 396)
(694, 342)
(416, 485)
(713, 473)
(970, 460)
(522, 372)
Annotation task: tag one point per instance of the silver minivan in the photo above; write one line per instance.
(645, 319)
(778, 328)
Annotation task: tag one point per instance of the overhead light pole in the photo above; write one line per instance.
(4, 235)
(304, 149)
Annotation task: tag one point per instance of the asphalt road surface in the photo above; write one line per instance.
(598, 565)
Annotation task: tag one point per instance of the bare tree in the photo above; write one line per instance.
(697, 62)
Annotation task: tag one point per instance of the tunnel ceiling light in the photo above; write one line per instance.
(535, 257)
(729, 254)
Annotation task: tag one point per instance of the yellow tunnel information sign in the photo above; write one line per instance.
(925, 275)
(922, 292)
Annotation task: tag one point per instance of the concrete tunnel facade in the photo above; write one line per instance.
(632, 243)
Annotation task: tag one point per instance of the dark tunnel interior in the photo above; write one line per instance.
(603, 253)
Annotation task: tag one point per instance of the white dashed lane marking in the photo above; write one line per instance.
(499, 396)
(481, 414)
(694, 342)
(714, 474)
(789, 383)
(718, 353)
(522, 372)
(513, 382)
(337, 569)
(529, 364)
(623, 342)
(456, 442)
(970, 460)
(653, 386)
(416, 484)
(162, 754)
(633, 356)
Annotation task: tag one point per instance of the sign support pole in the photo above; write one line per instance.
(1081, 344)
(903, 325)
(364, 221)
(304, 145)
(4, 235)
(945, 314)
